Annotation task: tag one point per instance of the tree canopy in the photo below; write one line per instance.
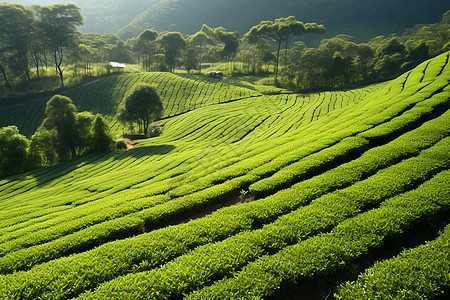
(15, 24)
(65, 133)
(281, 30)
(143, 105)
(13, 150)
(172, 43)
(59, 23)
(61, 116)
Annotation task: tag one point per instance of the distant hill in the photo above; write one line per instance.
(101, 16)
(362, 19)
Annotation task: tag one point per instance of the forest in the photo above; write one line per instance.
(54, 53)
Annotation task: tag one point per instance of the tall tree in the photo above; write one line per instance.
(15, 33)
(230, 41)
(61, 116)
(102, 140)
(37, 46)
(200, 40)
(59, 24)
(143, 105)
(172, 44)
(214, 40)
(281, 30)
(13, 150)
(145, 40)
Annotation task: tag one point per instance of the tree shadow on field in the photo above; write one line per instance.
(46, 176)
(142, 151)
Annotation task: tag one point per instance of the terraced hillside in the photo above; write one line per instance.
(334, 185)
(181, 93)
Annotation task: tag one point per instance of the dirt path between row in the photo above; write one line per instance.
(197, 213)
(129, 143)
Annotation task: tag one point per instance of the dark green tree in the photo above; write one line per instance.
(13, 151)
(145, 46)
(85, 121)
(59, 24)
(190, 58)
(337, 62)
(143, 105)
(126, 119)
(37, 46)
(15, 36)
(172, 44)
(281, 30)
(61, 116)
(418, 52)
(254, 54)
(200, 41)
(390, 58)
(43, 148)
(230, 41)
(102, 140)
(213, 40)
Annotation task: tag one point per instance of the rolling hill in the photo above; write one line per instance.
(362, 19)
(245, 195)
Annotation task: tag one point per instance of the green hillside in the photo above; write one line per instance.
(362, 19)
(244, 196)
(181, 93)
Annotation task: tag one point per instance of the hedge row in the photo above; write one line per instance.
(327, 253)
(419, 273)
(121, 255)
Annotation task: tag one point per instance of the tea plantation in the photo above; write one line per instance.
(342, 194)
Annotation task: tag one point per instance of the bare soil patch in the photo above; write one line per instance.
(199, 212)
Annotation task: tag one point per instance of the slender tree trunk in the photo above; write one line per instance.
(200, 57)
(8, 85)
(285, 52)
(45, 59)
(278, 61)
(58, 56)
(35, 57)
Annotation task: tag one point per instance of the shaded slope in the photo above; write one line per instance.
(362, 19)
(181, 93)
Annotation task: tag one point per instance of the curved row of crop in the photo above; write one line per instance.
(408, 143)
(81, 223)
(33, 236)
(274, 146)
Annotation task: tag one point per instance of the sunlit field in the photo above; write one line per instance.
(244, 196)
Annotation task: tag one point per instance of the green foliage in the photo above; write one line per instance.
(121, 145)
(65, 134)
(414, 274)
(13, 151)
(58, 22)
(143, 105)
(336, 174)
(172, 44)
(15, 36)
(336, 62)
(62, 118)
(101, 139)
(281, 30)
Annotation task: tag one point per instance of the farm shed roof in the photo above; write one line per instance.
(117, 65)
